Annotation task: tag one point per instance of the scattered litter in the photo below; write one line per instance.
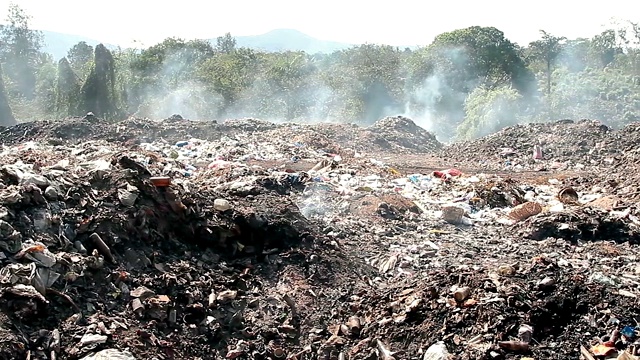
(258, 240)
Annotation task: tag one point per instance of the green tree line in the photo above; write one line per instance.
(466, 83)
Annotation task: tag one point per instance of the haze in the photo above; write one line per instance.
(403, 23)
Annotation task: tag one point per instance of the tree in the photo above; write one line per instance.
(79, 58)
(575, 55)
(98, 91)
(629, 33)
(123, 58)
(547, 50)
(19, 50)
(606, 94)
(480, 56)
(489, 110)
(442, 75)
(367, 81)
(172, 58)
(468, 82)
(67, 89)
(288, 79)
(45, 94)
(230, 74)
(604, 48)
(165, 73)
(225, 44)
(6, 115)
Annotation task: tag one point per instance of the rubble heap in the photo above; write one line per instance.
(95, 245)
(257, 240)
(399, 132)
(389, 134)
(566, 143)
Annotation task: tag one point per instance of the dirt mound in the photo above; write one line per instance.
(627, 138)
(581, 224)
(249, 125)
(401, 132)
(585, 142)
(397, 134)
(77, 130)
(627, 142)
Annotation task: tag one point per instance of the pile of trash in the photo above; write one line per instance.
(501, 247)
(105, 247)
(255, 245)
(565, 145)
(399, 134)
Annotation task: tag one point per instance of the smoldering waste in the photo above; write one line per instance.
(245, 239)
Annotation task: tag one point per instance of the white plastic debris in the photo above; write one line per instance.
(221, 205)
(437, 351)
(110, 354)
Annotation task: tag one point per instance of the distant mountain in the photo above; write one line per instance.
(58, 44)
(288, 39)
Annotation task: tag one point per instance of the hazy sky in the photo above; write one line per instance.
(398, 22)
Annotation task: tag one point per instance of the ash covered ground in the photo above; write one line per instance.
(245, 239)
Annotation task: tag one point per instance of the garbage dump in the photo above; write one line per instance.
(245, 239)
(564, 145)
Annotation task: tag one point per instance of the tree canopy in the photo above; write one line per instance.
(465, 83)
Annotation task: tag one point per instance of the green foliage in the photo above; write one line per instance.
(79, 58)
(19, 53)
(575, 55)
(489, 110)
(155, 74)
(363, 81)
(442, 75)
(288, 79)
(605, 94)
(230, 74)
(6, 115)
(225, 44)
(97, 94)
(480, 56)
(466, 83)
(67, 89)
(45, 94)
(419, 66)
(547, 50)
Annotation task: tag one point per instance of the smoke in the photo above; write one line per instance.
(189, 99)
(176, 91)
(449, 97)
(267, 101)
(421, 104)
(305, 99)
(436, 103)
(320, 110)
